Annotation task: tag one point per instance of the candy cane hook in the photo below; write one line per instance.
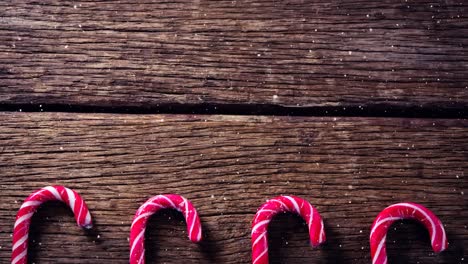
(404, 211)
(30, 206)
(278, 205)
(174, 201)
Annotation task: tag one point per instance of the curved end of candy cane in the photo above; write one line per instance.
(194, 227)
(76, 204)
(198, 238)
(432, 223)
(30, 206)
(150, 207)
(282, 204)
(442, 245)
(312, 217)
(319, 238)
(87, 221)
(195, 233)
(402, 211)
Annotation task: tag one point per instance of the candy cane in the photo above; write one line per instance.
(174, 201)
(404, 211)
(30, 206)
(278, 205)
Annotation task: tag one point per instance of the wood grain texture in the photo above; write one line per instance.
(349, 168)
(262, 52)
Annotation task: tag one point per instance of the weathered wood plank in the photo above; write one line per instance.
(287, 53)
(349, 168)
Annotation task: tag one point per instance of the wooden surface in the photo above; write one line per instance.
(380, 62)
(278, 53)
(349, 168)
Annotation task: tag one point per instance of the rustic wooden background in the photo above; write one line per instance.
(353, 105)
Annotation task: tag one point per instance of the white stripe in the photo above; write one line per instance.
(266, 210)
(80, 211)
(296, 206)
(322, 233)
(169, 200)
(425, 215)
(21, 241)
(19, 257)
(444, 237)
(71, 199)
(284, 207)
(23, 218)
(261, 255)
(88, 223)
(141, 216)
(155, 204)
(379, 248)
(391, 218)
(54, 192)
(185, 205)
(259, 224)
(135, 242)
(192, 225)
(148, 203)
(199, 235)
(258, 238)
(142, 257)
(38, 193)
(30, 203)
(147, 214)
(262, 211)
(311, 215)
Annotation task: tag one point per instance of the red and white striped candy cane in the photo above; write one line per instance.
(404, 211)
(278, 205)
(173, 201)
(30, 206)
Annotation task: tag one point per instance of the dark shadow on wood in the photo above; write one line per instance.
(456, 249)
(409, 236)
(166, 232)
(333, 252)
(376, 110)
(288, 241)
(209, 246)
(41, 221)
